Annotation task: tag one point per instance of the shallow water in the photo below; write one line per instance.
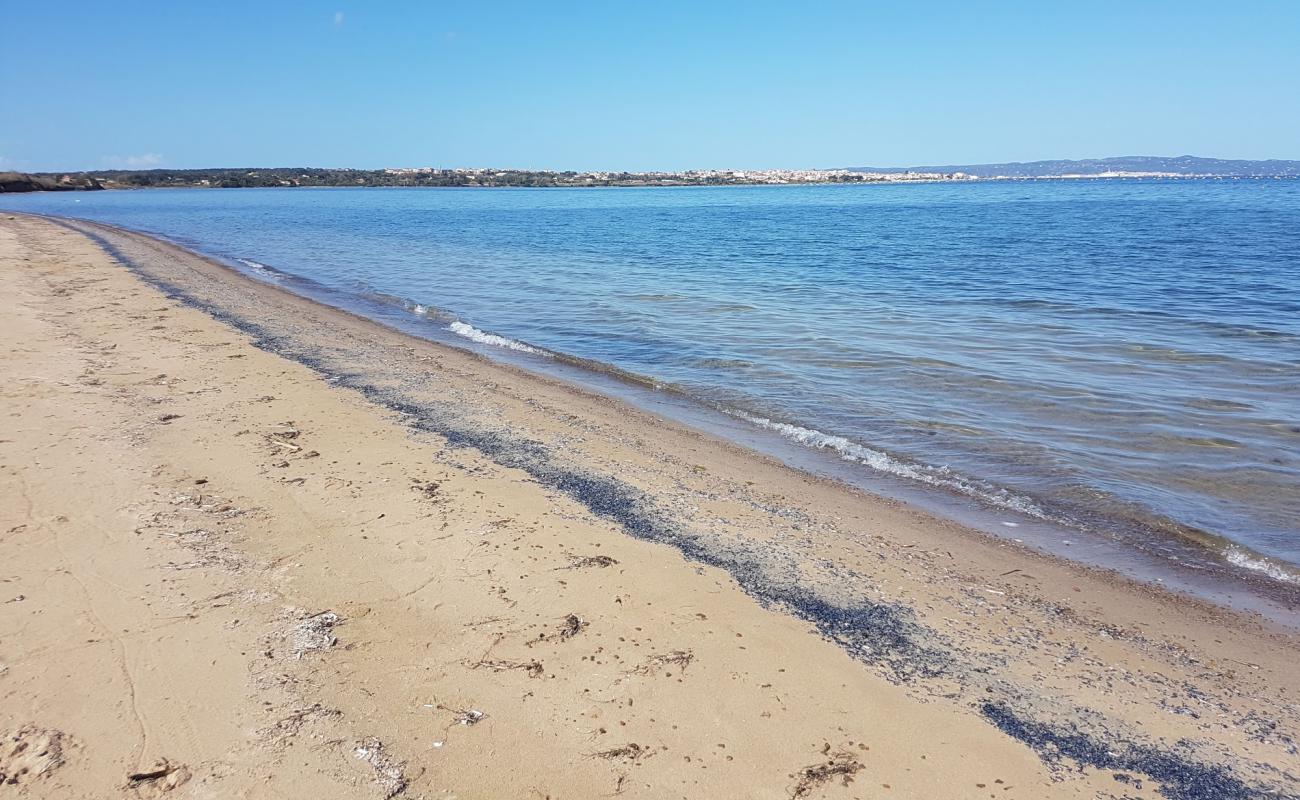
(1116, 355)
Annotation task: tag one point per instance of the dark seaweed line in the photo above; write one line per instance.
(881, 634)
(1179, 778)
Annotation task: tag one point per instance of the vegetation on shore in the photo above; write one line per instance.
(21, 182)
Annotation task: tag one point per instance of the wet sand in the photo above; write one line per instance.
(254, 546)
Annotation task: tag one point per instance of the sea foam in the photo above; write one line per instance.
(483, 337)
(1247, 560)
(258, 267)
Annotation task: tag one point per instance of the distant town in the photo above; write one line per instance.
(1121, 167)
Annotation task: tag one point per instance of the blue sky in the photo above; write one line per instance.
(648, 85)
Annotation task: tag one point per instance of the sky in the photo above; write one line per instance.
(623, 85)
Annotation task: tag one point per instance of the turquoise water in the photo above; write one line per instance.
(1111, 355)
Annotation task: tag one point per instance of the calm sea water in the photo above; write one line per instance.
(1106, 354)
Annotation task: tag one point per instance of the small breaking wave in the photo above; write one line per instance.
(945, 478)
(1245, 559)
(429, 312)
(483, 337)
(877, 460)
(260, 268)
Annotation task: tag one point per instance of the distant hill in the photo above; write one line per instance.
(22, 182)
(1179, 165)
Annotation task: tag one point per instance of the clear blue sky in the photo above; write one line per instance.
(642, 85)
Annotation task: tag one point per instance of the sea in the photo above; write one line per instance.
(1112, 361)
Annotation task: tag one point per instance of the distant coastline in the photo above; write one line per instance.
(290, 177)
(231, 178)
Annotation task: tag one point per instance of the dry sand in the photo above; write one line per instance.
(254, 547)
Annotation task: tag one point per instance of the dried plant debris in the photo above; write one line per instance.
(841, 765)
(630, 752)
(282, 437)
(208, 549)
(28, 754)
(314, 633)
(163, 777)
(464, 716)
(571, 626)
(1179, 774)
(389, 772)
(293, 724)
(677, 658)
(533, 667)
(286, 431)
(586, 562)
(429, 489)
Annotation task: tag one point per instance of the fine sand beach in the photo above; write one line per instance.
(253, 546)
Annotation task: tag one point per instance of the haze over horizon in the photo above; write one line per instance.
(672, 87)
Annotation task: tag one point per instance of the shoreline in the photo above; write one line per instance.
(917, 624)
(1161, 553)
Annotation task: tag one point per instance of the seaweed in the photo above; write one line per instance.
(841, 765)
(1179, 777)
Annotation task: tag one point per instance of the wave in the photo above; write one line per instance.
(942, 477)
(483, 337)
(1241, 557)
(261, 269)
(883, 462)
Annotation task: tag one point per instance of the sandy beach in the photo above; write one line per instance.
(257, 547)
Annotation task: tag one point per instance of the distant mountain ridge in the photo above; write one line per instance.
(1178, 165)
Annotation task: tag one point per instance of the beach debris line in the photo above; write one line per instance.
(1181, 777)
